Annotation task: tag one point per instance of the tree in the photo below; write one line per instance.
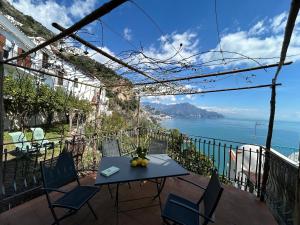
(113, 123)
(19, 99)
(26, 97)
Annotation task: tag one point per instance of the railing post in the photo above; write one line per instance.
(229, 164)
(213, 153)
(297, 207)
(1, 116)
(259, 172)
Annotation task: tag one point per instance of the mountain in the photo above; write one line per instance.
(181, 110)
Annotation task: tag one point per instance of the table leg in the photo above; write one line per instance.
(117, 196)
(160, 187)
(117, 203)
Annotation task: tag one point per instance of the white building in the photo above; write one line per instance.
(13, 42)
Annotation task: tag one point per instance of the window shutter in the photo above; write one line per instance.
(19, 60)
(2, 42)
(28, 61)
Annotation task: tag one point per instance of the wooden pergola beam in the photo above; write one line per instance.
(100, 51)
(294, 10)
(212, 91)
(209, 75)
(101, 11)
(50, 74)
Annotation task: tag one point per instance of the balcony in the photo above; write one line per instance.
(236, 206)
(239, 203)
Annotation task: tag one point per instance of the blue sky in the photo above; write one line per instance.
(252, 28)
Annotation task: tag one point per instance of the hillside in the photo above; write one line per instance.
(30, 26)
(182, 110)
(121, 100)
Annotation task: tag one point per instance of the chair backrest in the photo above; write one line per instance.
(20, 137)
(38, 133)
(158, 147)
(58, 171)
(211, 195)
(110, 147)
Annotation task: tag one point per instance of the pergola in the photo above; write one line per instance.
(151, 84)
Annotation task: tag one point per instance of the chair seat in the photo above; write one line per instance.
(179, 214)
(77, 197)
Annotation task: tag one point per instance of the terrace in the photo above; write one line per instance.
(239, 201)
(260, 185)
(236, 206)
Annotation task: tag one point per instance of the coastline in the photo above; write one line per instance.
(286, 135)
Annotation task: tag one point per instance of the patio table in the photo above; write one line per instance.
(160, 166)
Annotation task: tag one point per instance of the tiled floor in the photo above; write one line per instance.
(236, 207)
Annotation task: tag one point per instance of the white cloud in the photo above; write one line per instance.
(81, 8)
(278, 22)
(263, 40)
(188, 86)
(45, 12)
(176, 46)
(49, 11)
(98, 57)
(127, 33)
(232, 111)
(258, 28)
(167, 99)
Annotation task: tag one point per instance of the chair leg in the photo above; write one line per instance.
(129, 185)
(92, 210)
(56, 221)
(110, 192)
(166, 221)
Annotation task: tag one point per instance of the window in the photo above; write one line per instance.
(45, 60)
(60, 79)
(76, 82)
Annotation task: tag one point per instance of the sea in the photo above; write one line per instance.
(286, 135)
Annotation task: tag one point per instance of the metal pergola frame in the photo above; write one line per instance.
(111, 5)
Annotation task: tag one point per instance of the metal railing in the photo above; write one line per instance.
(282, 189)
(238, 164)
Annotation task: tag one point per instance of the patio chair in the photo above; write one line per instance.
(57, 173)
(110, 148)
(158, 147)
(39, 136)
(20, 142)
(182, 211)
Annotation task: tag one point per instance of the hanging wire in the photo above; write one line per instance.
(218, 30)
(157, 26)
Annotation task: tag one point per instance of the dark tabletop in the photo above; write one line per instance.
(160, 166)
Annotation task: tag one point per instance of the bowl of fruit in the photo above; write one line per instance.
(140, 159)
(137, 161)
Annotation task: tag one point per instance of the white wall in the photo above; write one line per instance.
(15, 38)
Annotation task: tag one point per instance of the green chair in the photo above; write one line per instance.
(39, 136)
(20, 141)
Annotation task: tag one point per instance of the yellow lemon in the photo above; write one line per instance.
(144, 162)
(134, 163)
(139, 161)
